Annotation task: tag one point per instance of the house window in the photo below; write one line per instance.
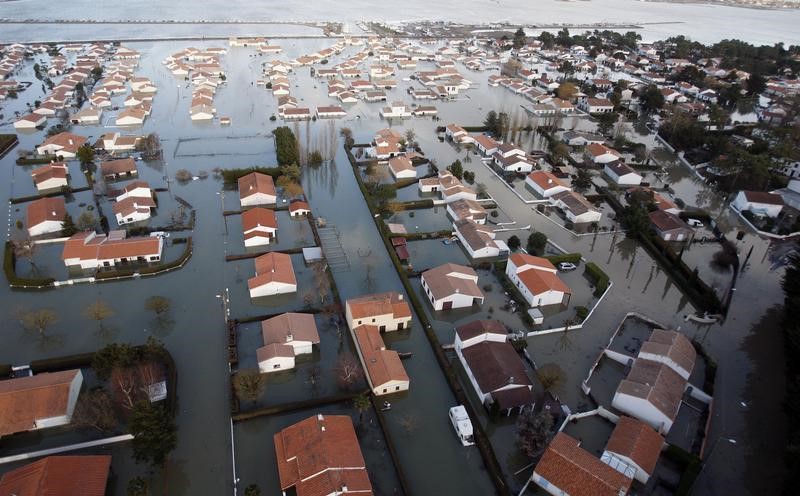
(384, 390)
(373, 320)
(276, 366)
(359, 322)
(397, 388)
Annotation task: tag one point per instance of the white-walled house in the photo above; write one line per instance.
(536, 279)
(39, 401)
(651, 392)
(622, 174)
(259, 226)
(479, 240)
(384, 370)
(759, 203)
(275, 357)
(45, 216)
(634, 445)
(576, 208)
(545, 183)
(601, 154)
(256, 189)
(387, 311)
(286, 336)
(495, 370)
(51, 176)
(89, 250)
(451, 286)
(274, 275)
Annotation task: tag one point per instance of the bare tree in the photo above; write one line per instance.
(322, 281)
(26, 248)
(348, 370)
(38, 320)
(551, 376)
(95, 410)
(99, 311)
(86, 221)
(533, 432)
(125, 387)
(313, 376)
(249, 384)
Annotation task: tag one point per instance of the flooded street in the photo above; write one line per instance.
(747, 346)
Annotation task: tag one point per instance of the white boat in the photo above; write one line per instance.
(462, 425)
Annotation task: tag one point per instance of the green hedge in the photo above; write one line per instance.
(35, 161)
(68, 362)
(567, 257)
(600, 278)
(691, 465)
(9, 267)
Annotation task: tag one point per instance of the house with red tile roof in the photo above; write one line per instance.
(652, 392)
(299, 208)
(38, 401)
(387, 311)
(274, 275)
(59, 476)
(384, 369)
(45, 216)
(545, 183)
(259, 226)
(320, 456)
(536, 279)
(61, 145)
(566, 468)
(634, 444)
(51, 176)
(256, 189)
(90, 250)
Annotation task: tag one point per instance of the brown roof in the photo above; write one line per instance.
(254, 183)
(258, 217)
(575, 202)
(377, 304)
(45, 209)
(487, 142)
(274, 350)
(638, 441)
(320, 455)
(521, 259)
(133, 204)
(466, 208)
(273, 267)
(577, 472)
(656, 383)
(25, 400)
(671, 344)
(539, 281)
(56, 170)
(67, 141)
(476, 235)
(545, 179)
(480, 327)
(763, 197)
(399, 164)
(382, 365)
(290, 327)
(298, 205)
(619, 168)
(496, 365)
(443, 284)
(596, 149)
(666, 221)
(59, 476)
(115, 167)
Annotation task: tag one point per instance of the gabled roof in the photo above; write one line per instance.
(290, 327)
(495, 365)
(377, 304)
(66, 141)
(273, 267)
(479, 327)
(258, 217)
(763, 197)
(673, 345)
(59, 476)
(121, 166)
(577, 472)
(449, 279)
(619, 168)
(638, 441)
(545, 179)
(382, 365)
(56, 170)
(25, 400)
(46, 209)
(597, 149)
(666, 221)
(255, 183)
(656, 383)
(320, 455)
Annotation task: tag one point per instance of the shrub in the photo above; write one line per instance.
(567, 257)
(494, 213)
(581, 313)
(183, 175)
(537, 242)
(599, 277)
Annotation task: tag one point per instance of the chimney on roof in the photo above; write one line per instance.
(320, 417)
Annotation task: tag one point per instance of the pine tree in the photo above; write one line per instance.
(68, 226)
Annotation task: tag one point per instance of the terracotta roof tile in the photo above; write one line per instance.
(290, 326)
(382, 365)
(638, 441)
(46, 209)
(27, 399)
(59, 476)
(378, 304)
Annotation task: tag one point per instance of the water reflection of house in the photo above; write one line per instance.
(495, 370)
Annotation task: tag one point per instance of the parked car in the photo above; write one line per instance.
(694, 222)
(567, 266)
